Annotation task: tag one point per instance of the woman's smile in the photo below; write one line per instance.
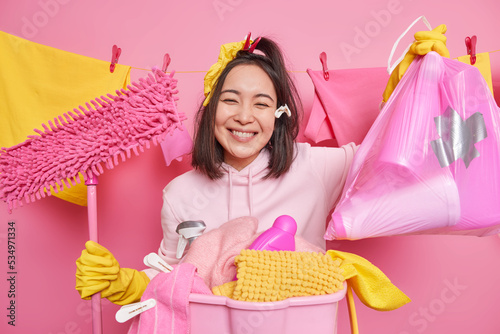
(242, 135)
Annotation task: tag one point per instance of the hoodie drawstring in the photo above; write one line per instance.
(250, 194)
(229, 209)
(250, 191)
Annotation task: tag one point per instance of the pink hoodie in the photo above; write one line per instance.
(308, 192)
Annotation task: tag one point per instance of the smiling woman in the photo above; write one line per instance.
(245, 155)
(245, 158)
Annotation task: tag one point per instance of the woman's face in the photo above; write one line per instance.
(244, 119)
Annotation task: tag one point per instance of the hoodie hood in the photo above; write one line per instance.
(257, 168)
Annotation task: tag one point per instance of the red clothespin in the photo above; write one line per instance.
(254, 44)
(166, 62)
(247, 42)
(470, 43)
(115, 54)
(322, 58)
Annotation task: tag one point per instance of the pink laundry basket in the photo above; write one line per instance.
(221, 315)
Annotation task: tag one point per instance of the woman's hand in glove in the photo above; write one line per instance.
(97, 270)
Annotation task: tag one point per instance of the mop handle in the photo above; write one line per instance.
(91, 184)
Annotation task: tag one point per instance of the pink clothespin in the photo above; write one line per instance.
(470, 43)
(166, 62)
(322, 58)
(115, 54)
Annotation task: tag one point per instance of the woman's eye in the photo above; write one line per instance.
(263, 105)
(229, 101)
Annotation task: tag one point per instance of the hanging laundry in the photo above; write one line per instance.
(495, 74)
(38, 83)
(346, 105)
(483, 65)
(176, 144)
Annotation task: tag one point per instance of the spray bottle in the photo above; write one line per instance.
(280, 236)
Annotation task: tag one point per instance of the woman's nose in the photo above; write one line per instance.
(245, 114)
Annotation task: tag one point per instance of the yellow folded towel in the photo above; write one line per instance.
(369, 283)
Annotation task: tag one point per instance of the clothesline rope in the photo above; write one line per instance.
(145, 69)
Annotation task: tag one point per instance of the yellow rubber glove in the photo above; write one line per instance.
(97, 270)
(425, 42)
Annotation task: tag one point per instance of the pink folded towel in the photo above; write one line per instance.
(171, 292)
(213, 253)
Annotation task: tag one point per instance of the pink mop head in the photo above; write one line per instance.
(82, 140)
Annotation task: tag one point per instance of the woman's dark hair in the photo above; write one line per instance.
(208, 154)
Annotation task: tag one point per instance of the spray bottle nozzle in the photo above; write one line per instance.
(188, 231)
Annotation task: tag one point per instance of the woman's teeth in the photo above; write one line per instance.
(243, 134)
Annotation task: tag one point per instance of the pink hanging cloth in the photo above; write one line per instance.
(346, 105)
(176, 145)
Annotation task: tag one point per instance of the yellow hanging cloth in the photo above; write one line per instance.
(38, 83)
(483, 65)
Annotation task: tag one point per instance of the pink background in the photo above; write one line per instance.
(453, 281)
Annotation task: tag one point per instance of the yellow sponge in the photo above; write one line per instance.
(265, 276)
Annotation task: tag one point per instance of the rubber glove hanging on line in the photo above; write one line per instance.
(425, 42)
(97, 270)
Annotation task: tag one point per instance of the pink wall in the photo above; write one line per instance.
(451, 280)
